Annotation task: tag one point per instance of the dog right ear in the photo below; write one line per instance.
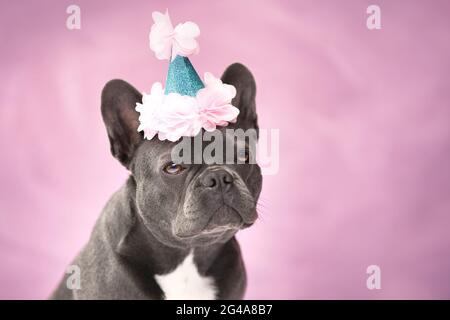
(119, 100)
(242, 79)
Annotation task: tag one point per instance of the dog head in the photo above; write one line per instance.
(185, 204)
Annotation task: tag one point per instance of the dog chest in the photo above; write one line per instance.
(186, 283)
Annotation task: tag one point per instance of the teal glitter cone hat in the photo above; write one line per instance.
(182, 78)
(187, 104)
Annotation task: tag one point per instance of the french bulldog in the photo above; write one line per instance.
(169, 232)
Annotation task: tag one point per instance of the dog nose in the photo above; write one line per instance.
(217, 178)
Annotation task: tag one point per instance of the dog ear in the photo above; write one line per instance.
(121, 119)
(240, 77)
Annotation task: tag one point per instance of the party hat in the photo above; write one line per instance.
(182, 78)
(188, 104)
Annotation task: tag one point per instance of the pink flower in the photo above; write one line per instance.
(215, 103)
(168, 42)
(173, 116)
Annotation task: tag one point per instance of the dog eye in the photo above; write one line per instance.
(172, 168)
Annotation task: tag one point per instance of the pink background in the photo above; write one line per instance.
(364, 126)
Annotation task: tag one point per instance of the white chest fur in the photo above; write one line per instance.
(185, 283)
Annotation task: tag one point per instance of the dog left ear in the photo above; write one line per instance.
(121, 119)
(240, 77)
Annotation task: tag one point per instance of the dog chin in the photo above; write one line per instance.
(221, 226)
(209, 237)
(223, 220)
(212, 232)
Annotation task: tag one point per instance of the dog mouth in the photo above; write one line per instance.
(224, 221)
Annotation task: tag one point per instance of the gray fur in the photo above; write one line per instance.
(151, 224)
